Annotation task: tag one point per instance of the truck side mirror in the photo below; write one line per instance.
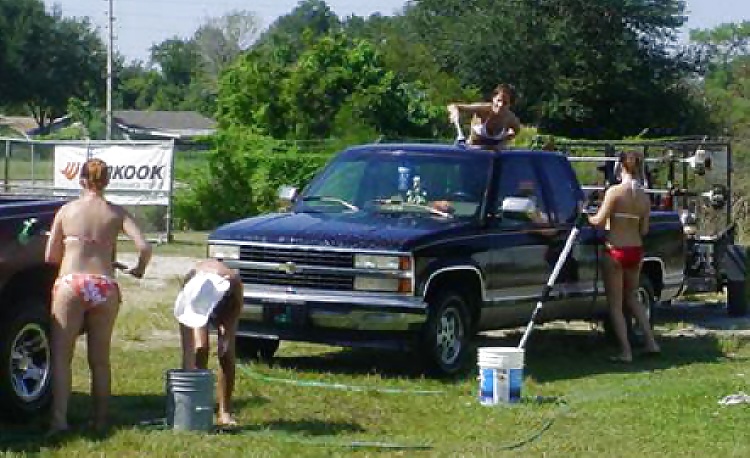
(518, 208)
(287, 195)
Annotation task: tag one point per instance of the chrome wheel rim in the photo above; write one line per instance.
(643, 301)
(30, 363)
(450, 335)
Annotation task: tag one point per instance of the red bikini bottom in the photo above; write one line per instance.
(629, 257)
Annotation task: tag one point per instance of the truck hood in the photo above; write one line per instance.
(360, 230)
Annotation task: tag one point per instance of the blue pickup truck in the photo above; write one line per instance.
(422, 246)
(25, 293)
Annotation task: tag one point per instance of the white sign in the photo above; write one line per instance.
(139, 174)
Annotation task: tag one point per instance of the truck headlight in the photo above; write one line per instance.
(224, 251)
(382, 262)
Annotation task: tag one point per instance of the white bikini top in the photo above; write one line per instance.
(481, 130)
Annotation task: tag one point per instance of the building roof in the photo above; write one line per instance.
(20, 124)
(174, 124)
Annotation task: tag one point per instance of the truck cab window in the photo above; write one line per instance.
(566, 196)
(520, 200)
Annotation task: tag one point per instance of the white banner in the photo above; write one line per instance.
(139, 174)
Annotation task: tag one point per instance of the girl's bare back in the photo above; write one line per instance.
(90, 227)
(628, 218)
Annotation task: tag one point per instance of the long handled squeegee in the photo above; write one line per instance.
(582, 218)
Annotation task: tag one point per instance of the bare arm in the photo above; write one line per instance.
(54, 252)
(131, 229)
(455, 109)
(602, 215)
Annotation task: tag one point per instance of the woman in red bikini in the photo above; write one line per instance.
(86, 296)
(625, 215)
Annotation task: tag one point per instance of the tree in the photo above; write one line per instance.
(582, 68)
(308, 21)
(221, 40)
(47, 59)
(725, 54)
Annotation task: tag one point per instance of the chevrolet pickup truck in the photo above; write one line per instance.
(422, 246)
(25, 288)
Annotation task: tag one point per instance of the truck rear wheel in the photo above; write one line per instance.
(736, 298)
(446, 335)
(645, 298)
(25, 360)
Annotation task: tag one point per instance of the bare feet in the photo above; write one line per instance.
(226, 419)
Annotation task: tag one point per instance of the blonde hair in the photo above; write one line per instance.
(96, 173)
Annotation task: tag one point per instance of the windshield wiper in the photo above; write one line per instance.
(341, 202)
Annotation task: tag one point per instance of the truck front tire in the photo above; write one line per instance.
(446, 335)
(257, 348)
(25, 360)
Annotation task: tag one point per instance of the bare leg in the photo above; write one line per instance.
(631, 277)
(227, 332)
(613, 282)
(100, 322)
(202, 347)
(67, 319)
(187, 341)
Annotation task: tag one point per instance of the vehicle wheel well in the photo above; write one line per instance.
(31, 282)
(464, 282)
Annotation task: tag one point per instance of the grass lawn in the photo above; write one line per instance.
(317, 400)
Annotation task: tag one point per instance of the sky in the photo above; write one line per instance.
(141, 23)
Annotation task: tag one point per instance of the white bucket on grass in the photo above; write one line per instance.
(500, 374)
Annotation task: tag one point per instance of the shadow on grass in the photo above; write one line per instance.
(387, 364)
(127, 411)
(299, 427)
(556, 354)
(551, 354)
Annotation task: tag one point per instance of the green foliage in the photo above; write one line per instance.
(587, 69)
(337, 81)
(244, 173)
(46, 59)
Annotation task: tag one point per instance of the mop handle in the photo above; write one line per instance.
(553, 277)
(460, 138)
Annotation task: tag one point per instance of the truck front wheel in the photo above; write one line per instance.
(257, 348)
(25, 357)
(446, 334)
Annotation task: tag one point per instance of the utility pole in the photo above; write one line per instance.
(110, 53)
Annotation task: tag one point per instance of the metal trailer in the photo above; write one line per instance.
(692, 176)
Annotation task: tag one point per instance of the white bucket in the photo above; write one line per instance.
(500, 375)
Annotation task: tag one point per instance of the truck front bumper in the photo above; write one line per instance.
(268, 307)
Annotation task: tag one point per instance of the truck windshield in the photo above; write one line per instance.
(441, 185)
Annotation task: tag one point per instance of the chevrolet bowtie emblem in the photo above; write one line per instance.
(288, 268)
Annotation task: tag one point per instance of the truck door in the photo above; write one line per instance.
(575, 285)
(519, 243)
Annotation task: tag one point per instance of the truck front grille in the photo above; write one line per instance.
(326, 275)
(302, 280)
(263, 253)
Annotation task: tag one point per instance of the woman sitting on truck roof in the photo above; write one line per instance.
(625, 214)
(86, 296)
(493, 125)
